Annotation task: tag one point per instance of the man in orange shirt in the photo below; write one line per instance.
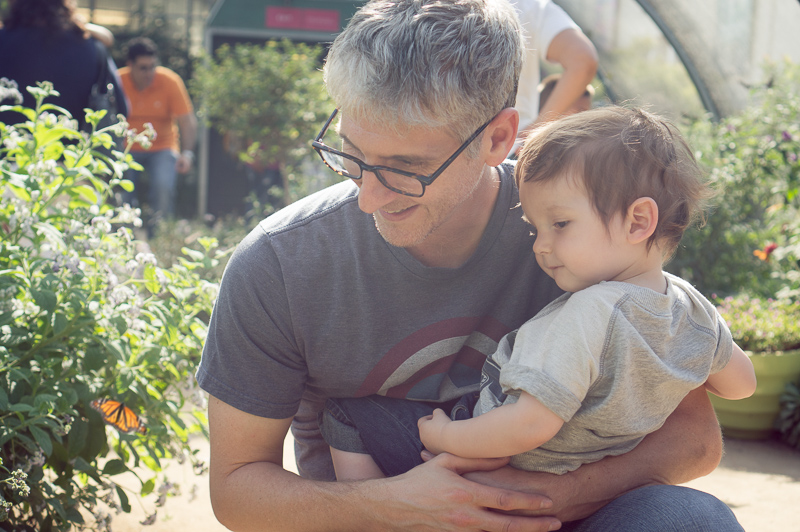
(158, 95)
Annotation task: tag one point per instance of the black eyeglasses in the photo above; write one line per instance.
(400, 181)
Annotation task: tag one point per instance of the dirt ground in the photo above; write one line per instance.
(759, 480)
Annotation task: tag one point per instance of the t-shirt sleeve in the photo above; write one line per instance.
(542, 20)
(556, 355)
(724, 345)
(179, 101)
(250, 359)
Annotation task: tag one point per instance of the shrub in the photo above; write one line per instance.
(753, 161)
(759, 324)
(269, 101)
(788, 421)
(85, 313)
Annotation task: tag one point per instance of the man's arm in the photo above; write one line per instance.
(187, 127)
(687, 446)
(250, 490)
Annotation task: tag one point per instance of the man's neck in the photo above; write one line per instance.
(454, 242)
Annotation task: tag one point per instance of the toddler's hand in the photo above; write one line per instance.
(431, 428)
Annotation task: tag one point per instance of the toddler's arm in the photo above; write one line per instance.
(736, 380)
(505, 431)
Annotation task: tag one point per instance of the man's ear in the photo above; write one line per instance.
(500, 136)
(642, 220)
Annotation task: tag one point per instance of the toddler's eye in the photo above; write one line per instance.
(560, 225)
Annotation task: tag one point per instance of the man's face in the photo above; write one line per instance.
(405, 221)
(143, 70)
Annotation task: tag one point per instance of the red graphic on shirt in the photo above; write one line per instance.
(449, 353)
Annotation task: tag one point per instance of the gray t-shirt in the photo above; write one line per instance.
(613, 361)
(315, 304)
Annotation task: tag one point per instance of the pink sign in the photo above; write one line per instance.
(296, 18)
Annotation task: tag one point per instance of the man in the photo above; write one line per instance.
(551, 36)
(158, 95)
(399, 282)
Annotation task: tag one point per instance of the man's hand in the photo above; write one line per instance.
(184, 162)
(431, 430)
(565, 490)
(436, 497)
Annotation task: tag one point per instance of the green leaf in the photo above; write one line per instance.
(193, 254)
(87, 193)
(151, 279)
(50, 232)
(114, 467)
(12, 336)
(82, 465)
(148, 487)
(19, 274)
(43, 439)
(42, 399)
(45, 136)
(45, 299)
(95, 358)
(123, 500)
(60, 323)
(3, 399)
(76, 439)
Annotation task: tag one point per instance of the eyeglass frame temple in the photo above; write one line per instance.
(327, 124)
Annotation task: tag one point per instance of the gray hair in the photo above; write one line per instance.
(427, 63)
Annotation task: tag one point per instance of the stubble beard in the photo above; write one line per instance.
(434, 217)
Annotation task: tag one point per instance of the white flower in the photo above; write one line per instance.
(146, 258)
(101, 223)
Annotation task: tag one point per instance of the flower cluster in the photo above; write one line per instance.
(759, 324)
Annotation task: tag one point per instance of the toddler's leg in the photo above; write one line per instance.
(379, 428)
(354, 466)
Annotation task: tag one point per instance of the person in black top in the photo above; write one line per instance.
(46, 40)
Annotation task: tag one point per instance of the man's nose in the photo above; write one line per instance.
(372, 195)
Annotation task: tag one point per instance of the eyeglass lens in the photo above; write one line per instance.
(349, 168)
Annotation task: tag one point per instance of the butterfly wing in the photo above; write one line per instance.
(118, 415)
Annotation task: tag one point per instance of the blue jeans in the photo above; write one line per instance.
(160, 167)
(386, 429)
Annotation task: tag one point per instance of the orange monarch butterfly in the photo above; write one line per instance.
(119, 416)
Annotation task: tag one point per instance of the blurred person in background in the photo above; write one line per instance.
(552, 36)
(46, 40)
(158, 96)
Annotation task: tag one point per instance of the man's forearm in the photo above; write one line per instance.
(187, 127)
(263, 497)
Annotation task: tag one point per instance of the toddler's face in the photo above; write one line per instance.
(572, 244)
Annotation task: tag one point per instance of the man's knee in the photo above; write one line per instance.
(662, 509)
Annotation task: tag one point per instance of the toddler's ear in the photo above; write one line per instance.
(642, 220)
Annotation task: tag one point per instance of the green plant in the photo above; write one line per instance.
(268, 101)
(788, 421)
(752, 159)
(762, 325)
(85, 313)
(172, 238)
